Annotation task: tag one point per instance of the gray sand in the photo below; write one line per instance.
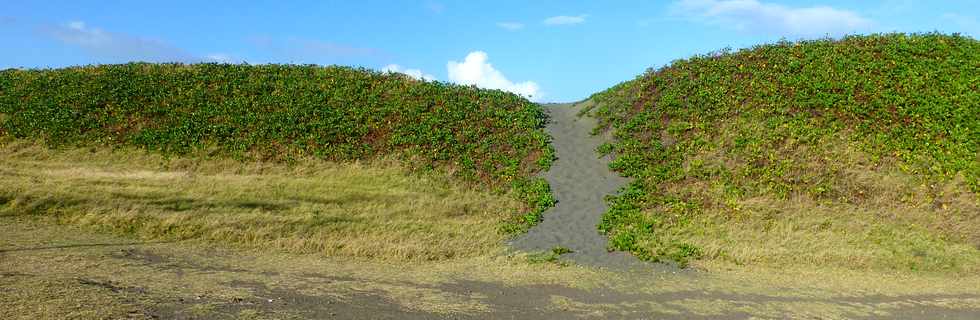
(580, 180)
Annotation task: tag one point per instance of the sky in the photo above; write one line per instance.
(550, 51)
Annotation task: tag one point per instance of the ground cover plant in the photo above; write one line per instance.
(861, 152)
(281, 113)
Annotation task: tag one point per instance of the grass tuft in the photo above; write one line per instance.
(549, 256)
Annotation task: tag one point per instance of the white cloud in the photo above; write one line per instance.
(77, 32)
(435, 7)
(565, 20)
(512, 26)
(475, 70)
(414, 73)
(755, 16)
(77, 25)
(116, 47)
(220, 58)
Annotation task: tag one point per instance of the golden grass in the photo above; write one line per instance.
(53, 271)
(371, 210)
(877, 215)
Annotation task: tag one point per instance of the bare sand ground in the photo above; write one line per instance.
(580, 180)
(51, 271)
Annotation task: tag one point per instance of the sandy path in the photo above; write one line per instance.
(50, 271)
(580, 180)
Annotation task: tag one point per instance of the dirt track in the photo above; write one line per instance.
(51, 271)
(580, 180)
(57, 272)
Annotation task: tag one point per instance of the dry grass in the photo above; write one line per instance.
(875, 215)
(53, 271)
(375, 210)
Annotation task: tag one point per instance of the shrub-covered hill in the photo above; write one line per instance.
(862, 152)
(284, 112)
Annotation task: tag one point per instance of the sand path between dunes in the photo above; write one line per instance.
(580, 180)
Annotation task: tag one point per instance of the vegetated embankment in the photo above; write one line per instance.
(280, 114)
(860, 152)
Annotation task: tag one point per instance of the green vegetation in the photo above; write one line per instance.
(549, 256)
(282, 113)
(862, 152)
(363, 210)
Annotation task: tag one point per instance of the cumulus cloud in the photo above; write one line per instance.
(414, 73)
(116, 47)
(565, 20)
(755, 16)
(476, 70)
(512, 26)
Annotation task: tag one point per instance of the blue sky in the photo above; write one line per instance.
(551, 50)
